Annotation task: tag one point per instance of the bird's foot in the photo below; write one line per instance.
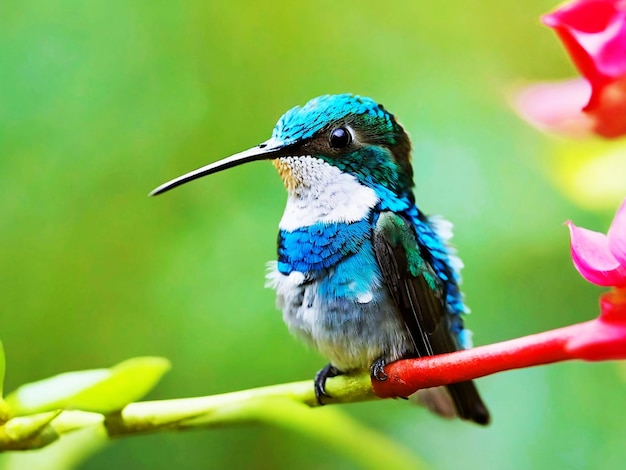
(377, 370)
(320, 381)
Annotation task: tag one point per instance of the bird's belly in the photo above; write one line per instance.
(350, 328)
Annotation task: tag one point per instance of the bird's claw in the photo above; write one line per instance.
(320, 381)
(377, 371)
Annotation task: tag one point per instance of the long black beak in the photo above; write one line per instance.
(268, 150)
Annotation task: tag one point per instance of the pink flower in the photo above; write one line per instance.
(601, 259)
(594, 34)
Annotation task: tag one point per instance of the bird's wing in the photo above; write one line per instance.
(413, 285)
(420, 297)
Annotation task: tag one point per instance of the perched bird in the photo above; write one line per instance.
(362, 274)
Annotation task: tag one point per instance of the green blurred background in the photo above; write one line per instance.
(101, 101)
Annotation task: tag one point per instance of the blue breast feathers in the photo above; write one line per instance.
(320, 246)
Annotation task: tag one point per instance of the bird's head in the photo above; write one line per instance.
(349, 133)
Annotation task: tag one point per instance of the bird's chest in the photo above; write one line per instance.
(330, 290)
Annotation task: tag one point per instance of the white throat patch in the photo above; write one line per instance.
(320, 192)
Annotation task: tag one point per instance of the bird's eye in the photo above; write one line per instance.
(340, 138)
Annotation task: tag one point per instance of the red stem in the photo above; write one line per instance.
(407, 376)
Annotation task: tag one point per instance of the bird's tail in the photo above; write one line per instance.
(468, 403)
(460, 399)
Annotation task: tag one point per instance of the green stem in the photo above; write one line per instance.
(230, 407)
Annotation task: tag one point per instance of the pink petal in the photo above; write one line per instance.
(617, 235)
(594, 34)
(610, 56)
(557, 106)
(590, 16)
(593, 259)
(578, 25)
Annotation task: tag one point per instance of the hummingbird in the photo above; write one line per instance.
(362, 275)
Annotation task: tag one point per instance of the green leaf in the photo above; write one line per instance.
(129, 381)
(97, 390)
(26, 427)
(54, 392)
(28, 432)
